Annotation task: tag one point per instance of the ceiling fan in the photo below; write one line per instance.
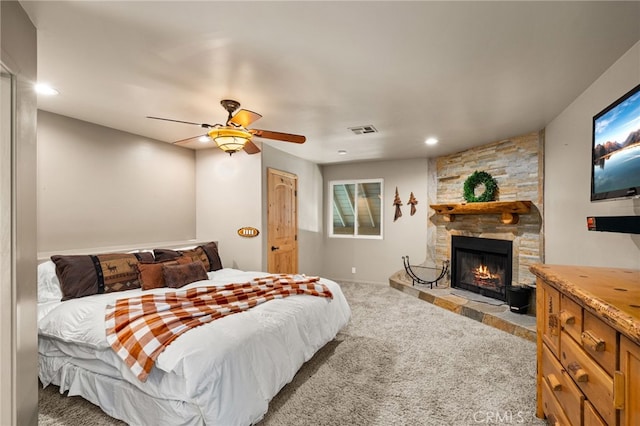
(235, 135)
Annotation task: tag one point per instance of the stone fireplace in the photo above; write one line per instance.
(511, 227)
(481, 265)
(517, 165)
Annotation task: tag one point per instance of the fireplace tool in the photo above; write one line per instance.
(431, 275)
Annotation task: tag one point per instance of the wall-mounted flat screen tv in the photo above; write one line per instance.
(615, 171)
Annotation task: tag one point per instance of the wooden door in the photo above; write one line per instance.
(282, 222)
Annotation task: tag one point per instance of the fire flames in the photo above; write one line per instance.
(483, 277)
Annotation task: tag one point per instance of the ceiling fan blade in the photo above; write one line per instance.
(186, 139)
(244, 118)
(251, 148)
(285, 137)
(203, 125)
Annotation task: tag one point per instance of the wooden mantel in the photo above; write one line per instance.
(509, 210)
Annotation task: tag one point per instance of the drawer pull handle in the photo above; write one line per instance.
(553, 325)
(578, 373)
(567, 318)
(592, 342)
(618, 390)
(554, 383)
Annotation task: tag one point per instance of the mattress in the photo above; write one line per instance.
(221, 373)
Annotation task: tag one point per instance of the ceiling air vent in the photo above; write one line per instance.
(361, 130)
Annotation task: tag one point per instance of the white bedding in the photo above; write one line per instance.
(221, 373)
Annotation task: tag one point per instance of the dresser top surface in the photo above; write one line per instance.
(612, 293)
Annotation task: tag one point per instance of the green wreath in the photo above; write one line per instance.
(477, 178)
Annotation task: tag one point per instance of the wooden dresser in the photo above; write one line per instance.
(588, 322)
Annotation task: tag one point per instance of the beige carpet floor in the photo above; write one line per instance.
(400, 361)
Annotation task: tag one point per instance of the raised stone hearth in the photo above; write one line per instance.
(486, 310)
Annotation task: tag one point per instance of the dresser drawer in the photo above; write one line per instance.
(599, 340)
(592, 380)
(562, 386)
(570, 316)
(549, 322)
(630, 369)
(591, 417)
(552, 409)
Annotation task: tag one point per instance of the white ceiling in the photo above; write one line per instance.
(467, 73)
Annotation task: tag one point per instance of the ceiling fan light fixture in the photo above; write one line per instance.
(235, 135)
(228, 139)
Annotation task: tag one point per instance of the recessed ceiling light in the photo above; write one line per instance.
(204, 138)
(431, 141)
(342, 152)
(45, 89)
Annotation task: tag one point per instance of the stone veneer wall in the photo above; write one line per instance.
(517, 165)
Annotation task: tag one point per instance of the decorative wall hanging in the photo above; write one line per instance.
(480, 178)
(248, 232)
(412, 201)
(397, 203)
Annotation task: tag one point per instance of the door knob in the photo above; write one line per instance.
(274, 248)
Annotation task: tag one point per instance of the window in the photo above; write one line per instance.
(356, 208)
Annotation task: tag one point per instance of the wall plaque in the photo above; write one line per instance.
(248, 232)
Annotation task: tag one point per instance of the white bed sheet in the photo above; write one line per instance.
(221, 373)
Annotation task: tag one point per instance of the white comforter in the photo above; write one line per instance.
(229, 369)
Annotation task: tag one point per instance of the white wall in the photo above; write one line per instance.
(99, 187)
(377, 260)
(229, 197)
(310, 206)
(567, 179)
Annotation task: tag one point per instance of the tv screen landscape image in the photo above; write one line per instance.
(615, 169)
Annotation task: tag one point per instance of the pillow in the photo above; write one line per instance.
(150, 274)
(162, 255)
(211, 250)
(84, 275)
(198, 254)
(48, 283)
(206, 253)
(144, 256)
(176, 276)
(183, 260)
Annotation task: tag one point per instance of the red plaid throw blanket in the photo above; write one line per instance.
(139, 328)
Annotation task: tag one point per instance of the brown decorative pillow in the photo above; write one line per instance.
(150, 274)
(198, 254)
(206, 253)
(144, 256)
(77, 276)
(211, 250)
(162, 255)
(176, 276)
(182, 260)
(84, 275)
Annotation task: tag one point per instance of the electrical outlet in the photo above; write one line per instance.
(353, 269)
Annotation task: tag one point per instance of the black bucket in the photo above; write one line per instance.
(518, 298)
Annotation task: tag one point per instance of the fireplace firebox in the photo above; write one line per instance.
(481, 265)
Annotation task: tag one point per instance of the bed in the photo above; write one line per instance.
(223, 372)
